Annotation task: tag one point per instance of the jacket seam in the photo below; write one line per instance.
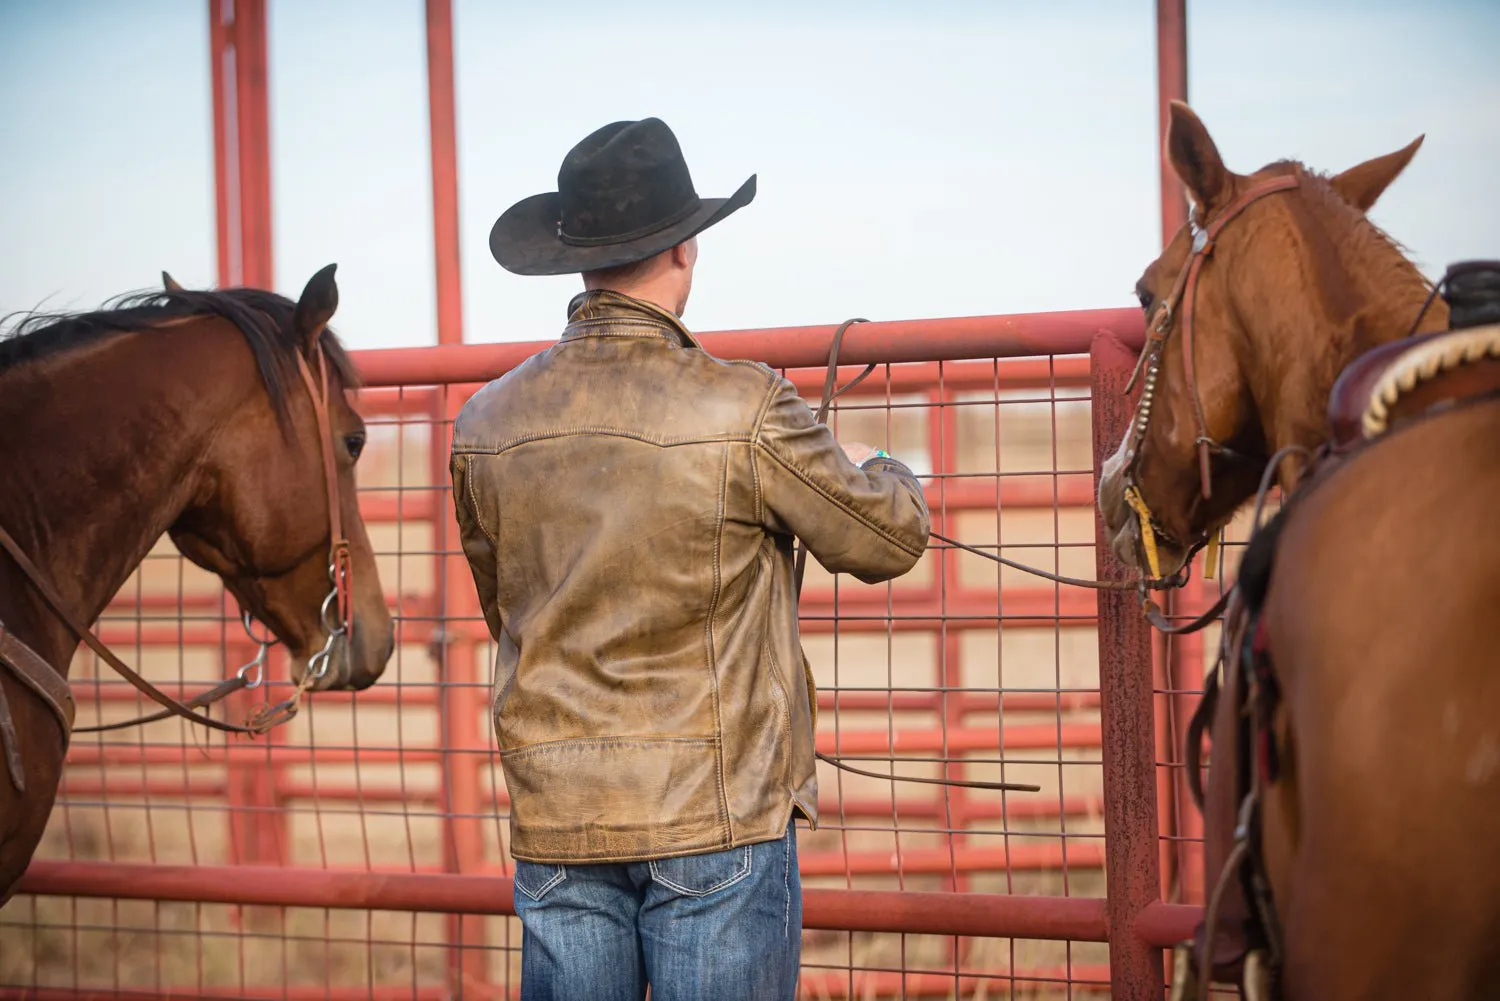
(511, 443)
(713, 661)
(755, 429)
(614, 739)
(765, 408)
(649, 856)
(655, 335)
(759, 496)
(474, 504)
(853, 512)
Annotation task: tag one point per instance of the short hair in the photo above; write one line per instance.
(620, 274)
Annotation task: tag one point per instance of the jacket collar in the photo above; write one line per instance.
(607, 313)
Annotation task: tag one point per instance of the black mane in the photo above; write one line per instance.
(265, 319)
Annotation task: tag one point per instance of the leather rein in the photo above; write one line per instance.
(1181, 302)
(50, 683)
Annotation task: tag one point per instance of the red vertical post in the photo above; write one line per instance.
(242, 141)
(459, 706)
(1171, 84)
(1126, 702)
(442, 119)
(259, 834)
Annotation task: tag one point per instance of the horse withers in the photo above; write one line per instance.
(217, 417)
(1372, 733)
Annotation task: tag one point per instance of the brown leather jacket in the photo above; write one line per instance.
(627, 504)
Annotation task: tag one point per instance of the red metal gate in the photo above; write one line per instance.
(359, 853)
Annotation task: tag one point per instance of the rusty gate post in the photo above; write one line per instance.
(1127, 738)
(242, 141)
(1171, 84)
(258, 831)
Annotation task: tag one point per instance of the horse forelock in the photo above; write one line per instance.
(265, 319)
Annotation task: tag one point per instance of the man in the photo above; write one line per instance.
(627, 504)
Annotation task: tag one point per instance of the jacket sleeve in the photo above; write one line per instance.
(478, 544)
(870, 522)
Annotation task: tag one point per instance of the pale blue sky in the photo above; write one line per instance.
(915, 159)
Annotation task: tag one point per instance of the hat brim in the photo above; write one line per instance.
(525, 242)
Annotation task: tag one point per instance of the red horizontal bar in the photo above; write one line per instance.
(937, 861)
(1164, 925)
(1025, 736)
(1006, 374)
(1022, 608)
(1066, 332)
(248, 992)
(910, 804)
(819, 983)
(985, 915)
(413, 695)
(1080, 978)
(1044, 491)
(1029, 736)
(961, 703)
(75, 784)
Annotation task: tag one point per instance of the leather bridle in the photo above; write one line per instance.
(1181, 302)
(336, 614)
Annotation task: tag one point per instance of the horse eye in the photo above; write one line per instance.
(1144, 295)
(355, 443)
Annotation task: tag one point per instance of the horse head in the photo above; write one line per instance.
(281, 525)
(1275, 283)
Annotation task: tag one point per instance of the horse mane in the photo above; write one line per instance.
(264, 318)
(1356, 237)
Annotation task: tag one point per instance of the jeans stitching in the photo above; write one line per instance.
(786, 885)
(541, 891)
(741, 874)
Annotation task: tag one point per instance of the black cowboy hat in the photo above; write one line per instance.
(623, 194)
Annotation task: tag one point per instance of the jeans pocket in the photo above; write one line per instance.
(700, 875)
(536, 878)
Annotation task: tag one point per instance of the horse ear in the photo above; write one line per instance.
(1362, 184)
(170, 284)
(1195, 158)
(320, 298)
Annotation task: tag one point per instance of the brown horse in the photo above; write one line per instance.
(182, 412)
(1379, 823)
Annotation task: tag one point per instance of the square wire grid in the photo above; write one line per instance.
(961, 669)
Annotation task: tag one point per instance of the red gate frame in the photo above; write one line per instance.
(1133, 919)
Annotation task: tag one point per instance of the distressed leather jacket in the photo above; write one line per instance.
(627, 504)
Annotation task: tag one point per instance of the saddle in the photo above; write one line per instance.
(1380, 392)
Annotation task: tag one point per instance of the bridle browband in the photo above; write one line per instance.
(1181, 300)
(336, 615)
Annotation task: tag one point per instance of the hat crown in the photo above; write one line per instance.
(623, 180)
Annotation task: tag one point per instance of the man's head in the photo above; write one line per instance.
(665, 279)
(625, 215)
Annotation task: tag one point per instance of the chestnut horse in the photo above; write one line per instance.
(186, 413)
(1378, 825)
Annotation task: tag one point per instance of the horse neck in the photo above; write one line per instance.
(101, 446)
(1338, 288)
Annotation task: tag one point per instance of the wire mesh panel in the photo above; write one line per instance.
(960, 670)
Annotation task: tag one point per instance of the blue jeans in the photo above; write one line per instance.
(724, 925)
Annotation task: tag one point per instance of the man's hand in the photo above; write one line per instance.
(857, 451)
